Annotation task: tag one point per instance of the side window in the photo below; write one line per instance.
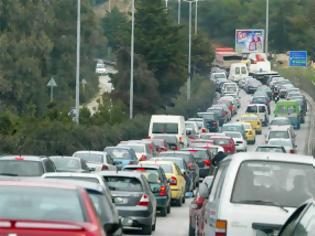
(306, 226)
(244, 70)
(217, 182)
(237, 71)
(109, 160)
(220, 183)
(49, 166)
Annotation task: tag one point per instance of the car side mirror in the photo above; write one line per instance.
(203, 190)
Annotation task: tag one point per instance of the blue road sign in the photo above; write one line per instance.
(298, 58)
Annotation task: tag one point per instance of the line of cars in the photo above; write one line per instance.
(259, 193)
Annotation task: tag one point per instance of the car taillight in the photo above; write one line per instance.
(199, 201)
(207, 162)
(180, 139)
(220, 228)
(190, 166)
(203, 130)
(144, 201)
(292, 151)
(104, 167)
(173, 180)
(19, 158)
(143, 158)
(163, 191)
(240, 141)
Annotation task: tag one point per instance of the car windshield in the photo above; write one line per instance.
(167, 168)
(90, 157)
(174, 154)
(269, 149)
(124, 184)
(66, 163)
(21, 168)
(259, 100)
(165, 128)
(280, 122)
(40, 203)
(119, 153)
(278, 134)
(137, 148)
(218, 76)
(273, 183)
(233, 134)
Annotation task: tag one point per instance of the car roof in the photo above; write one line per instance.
(280, 118)
(269, 145)
(143, 164)
(279, 128)
(84, 184)
(22, 157)
(233, 124)
(119, 147)
(65, 157)
(89, 151)
(160, 161)
(72, 174)
(37, 183)
(181, 152)
(131, 174)
(238, 158)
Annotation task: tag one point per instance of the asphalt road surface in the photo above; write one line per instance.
(176, 224)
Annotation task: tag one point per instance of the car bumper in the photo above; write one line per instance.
(135, 216)
(240, 148)
(161, 202)
(176, 193)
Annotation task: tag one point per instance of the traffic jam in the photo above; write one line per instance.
(237, 165)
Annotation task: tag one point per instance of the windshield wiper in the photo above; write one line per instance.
(8, 174)
(262, 202)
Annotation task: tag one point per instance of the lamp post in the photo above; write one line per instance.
(178, 11)
(77, 87)
(267, 27)
(131, 58)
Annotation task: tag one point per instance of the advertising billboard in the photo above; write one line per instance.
(249, 40)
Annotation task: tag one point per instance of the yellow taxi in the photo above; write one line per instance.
(253, 120)
(250, 133)
(175, 179)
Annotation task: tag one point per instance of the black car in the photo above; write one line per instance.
(158, 183)
(26, 166)
(70, 164)
(133, 198)
(191, 163)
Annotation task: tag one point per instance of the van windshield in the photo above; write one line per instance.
(165, 128)
(243, 70)
(251, 109)
(273, 183)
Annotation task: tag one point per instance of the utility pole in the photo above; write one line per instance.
(267, 27)
(166, 4)
(131, 58)
(178, 11)
(109, 6)
(196, 17)
(77, 87)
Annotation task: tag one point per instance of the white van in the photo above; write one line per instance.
(255, 193)
(260, 110)
(168, 125)
(238, 71)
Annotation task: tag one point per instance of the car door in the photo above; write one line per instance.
(213, 204)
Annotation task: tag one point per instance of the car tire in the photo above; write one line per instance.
(147, 229)
(163, 211)
(179, 202)
(154, 225)
(169, 208)
(191, 231)
(183, 200)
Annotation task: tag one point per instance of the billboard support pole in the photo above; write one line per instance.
(267, 27)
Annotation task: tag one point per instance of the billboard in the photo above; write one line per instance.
(249, 40)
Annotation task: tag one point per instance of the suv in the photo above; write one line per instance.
(265, 187)
(26, 166)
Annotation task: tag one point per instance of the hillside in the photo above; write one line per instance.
(101, 9)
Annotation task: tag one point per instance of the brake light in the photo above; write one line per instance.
(19, 158)
(180, 139)
(140, 169)
(199, 201)
(104, 167)
(144, 201)
(190, 166)
(173, 180)
(207, 162)
(221, 227)
(292, 151)
(163, 191)
(203, 130)
(143, 158)
(240, 141)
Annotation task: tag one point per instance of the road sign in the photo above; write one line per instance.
(52, 83)
(298, 58)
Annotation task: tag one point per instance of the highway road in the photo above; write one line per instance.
(176, 224)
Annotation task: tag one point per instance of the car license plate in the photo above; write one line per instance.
(120, 200)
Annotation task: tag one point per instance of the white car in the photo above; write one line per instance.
(96, 160)
(255, 192)
(140, 147)
(239, 140)
(286, 143)
(283, 132)
(191, 128)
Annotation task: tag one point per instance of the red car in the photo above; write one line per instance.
(37, 208)
(226, 142)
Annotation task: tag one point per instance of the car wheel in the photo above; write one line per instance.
(179, 202)
(147, 229)
(163, 211)
(191, 231)
(154, 225)
(169, 208)
(183, 200)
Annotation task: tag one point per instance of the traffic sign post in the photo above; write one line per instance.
(52, 83)
(298, 58)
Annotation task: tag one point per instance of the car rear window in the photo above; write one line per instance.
(251, 109)
(199, 154)
(21, 168)
(261, 109)
(90, 157)
(119, 153)
(177, 161)
(152, 175)
(273, 183)
(280, 122)
(269, 149)
(162, 128)
(167, 168)
(124, 184)
(231, 128)
(278, 134)
(137, 148)
(220, 141)
(66, 163)
(40, 203)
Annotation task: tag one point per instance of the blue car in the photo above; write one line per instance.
(122, 156)
(295, 121)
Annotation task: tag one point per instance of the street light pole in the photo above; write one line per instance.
(178, 11)
(77, 87)
(166, 4)
(189, 54)
(196, 17)
(131, 58)
(267, 27)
